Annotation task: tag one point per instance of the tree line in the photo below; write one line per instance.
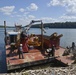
(52, 25)
(57, 25)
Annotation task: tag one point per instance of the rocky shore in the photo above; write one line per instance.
(70, 70)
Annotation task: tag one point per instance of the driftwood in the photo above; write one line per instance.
(66, 52)
(59, 36)
(56, 36)
(53, 35)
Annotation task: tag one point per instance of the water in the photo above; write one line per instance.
(2, 52)
(69, 36)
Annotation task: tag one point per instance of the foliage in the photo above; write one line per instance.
(57, 25)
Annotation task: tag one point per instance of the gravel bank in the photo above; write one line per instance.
(46, 70)
(70, 70)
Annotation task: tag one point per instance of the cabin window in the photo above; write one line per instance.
(13, 38)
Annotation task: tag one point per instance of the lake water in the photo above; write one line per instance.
(69, 36)
(2, 52)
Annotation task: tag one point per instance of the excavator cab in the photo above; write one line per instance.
(14, 38)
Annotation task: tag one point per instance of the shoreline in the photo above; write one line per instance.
(70, 70)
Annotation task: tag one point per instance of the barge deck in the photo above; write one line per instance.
(35, 57)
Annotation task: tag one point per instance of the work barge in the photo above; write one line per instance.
(40, 49)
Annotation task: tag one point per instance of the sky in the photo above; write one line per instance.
(49, 11)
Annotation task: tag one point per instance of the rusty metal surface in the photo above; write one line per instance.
(34, 56)
(64, 59)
